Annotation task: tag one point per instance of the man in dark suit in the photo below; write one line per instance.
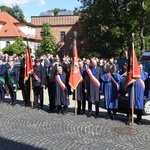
(12, 80)
(51, 85)
(39, 75)
(25, 87)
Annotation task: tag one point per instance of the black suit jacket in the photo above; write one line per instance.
(14, 73)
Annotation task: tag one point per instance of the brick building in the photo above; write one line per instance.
(62, 27)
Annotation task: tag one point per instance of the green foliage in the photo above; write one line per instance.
(18, 13)
(121, 20)
(56, 11)
(48, 42)
(7, 9)
(86, 54)
(15, 11)
(18, 47)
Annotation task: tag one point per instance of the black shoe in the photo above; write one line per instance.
(64, 113)
(138, 122)
(89, 114)
(129, 123)
(113, 117)
(58, 112)
(48, 110)
(79, 113)
(35, 107)
(108, 117)
(12, 103)
(96, 115)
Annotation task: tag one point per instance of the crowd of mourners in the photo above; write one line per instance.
(99, 77)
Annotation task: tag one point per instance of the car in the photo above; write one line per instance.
(121, 62)
(123, 99)
(145, 56)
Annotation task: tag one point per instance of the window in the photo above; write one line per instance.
(62, 36)
(7, 43)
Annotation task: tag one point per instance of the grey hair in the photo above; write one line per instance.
(59, 67)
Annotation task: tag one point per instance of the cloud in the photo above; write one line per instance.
(21, 2)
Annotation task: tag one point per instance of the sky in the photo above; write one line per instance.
(35, 7)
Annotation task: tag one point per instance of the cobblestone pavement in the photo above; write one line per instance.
(24, 128)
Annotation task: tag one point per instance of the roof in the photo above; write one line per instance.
(10, 28)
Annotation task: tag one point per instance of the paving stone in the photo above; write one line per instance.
(24, 128)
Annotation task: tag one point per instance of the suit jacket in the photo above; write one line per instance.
(41, 73)
(12, 75)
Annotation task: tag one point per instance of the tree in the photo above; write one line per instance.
(18, 47)
(56, 11)
(47, 44)
(15, 11)
(112, 22)
(7, 9)
(18, 13)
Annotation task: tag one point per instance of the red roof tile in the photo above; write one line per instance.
(10, 29)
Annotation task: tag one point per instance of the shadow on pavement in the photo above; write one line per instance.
(13, 145)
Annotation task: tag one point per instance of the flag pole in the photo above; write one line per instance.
(132, 119)
(31, 92)
(31, 86)
(75, 101)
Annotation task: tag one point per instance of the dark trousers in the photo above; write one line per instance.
(38, 92)
(138, 114)
(2, 92)
(26, 93)
(96, 107)
(81, 104)
(51, 93)
(12, 93)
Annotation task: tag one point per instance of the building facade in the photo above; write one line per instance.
(62, 28)
(10, 28)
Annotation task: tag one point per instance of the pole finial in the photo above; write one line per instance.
(75, 34)
(133, 37)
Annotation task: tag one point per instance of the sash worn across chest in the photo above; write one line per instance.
(142, 83)
(36, 77)
(62, 85)
(113, 81)
(92, 77)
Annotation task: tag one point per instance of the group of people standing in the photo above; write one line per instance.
(98, 77)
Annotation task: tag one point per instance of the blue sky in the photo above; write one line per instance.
(35, 7)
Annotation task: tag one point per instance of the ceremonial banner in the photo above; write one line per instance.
(133, 72)
(28, 65)
(75, 76)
